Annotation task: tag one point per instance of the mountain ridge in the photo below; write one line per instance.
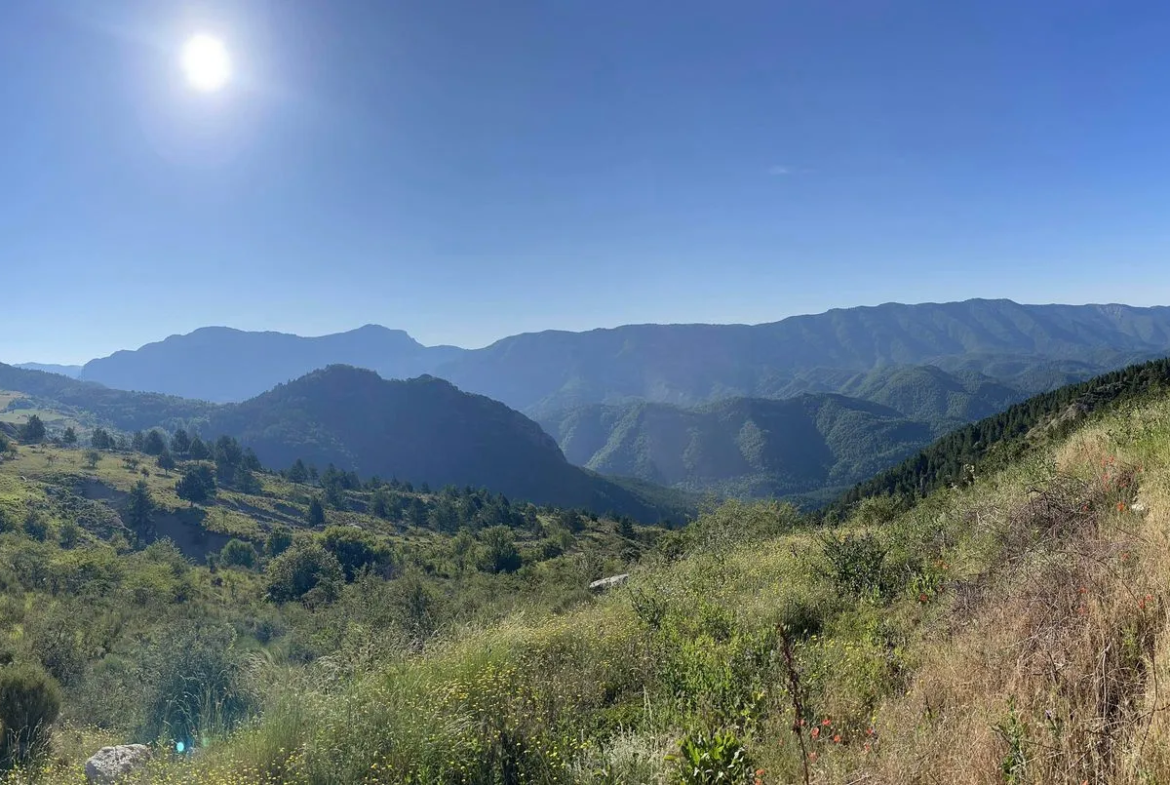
(684, 364)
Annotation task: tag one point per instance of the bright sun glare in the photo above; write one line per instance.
(206, 63)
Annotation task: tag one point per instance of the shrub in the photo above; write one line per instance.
(36, 526)
(306, 572)
(29, 703)
(355, 549)
(238, 553)
(499, 552)
(855, 563)
(279, 540)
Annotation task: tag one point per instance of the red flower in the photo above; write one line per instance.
(816, 732)
(837, 739)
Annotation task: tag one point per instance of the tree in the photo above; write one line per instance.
(279, 540)
(499, 550)
(245, 482)
(251, 461)
(198, 450)
(154, 443)
(355, 549)
(100, 439)
(238, 553)
(316, 512)
(298, 473)
(69, 438)
(139, 512)
(33, 431)
(305, 572)
(138, 441)
(166, 461)
(181, 442)
(335, 495)
(228, 457)
(380, 504)
(197, 485)
(92, 458)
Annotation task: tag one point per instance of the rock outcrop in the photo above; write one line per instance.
(111, 765)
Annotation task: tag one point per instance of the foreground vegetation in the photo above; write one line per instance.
(1009, 627)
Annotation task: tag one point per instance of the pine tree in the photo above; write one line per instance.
(181, 442)
(298, 473)
(154, 444)
(140, 511)
(166, 461)
(316, 512)
(33, 431)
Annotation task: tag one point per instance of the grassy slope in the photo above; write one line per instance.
(1019, 633)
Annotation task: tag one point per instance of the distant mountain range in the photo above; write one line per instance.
(72, 371)
(422, 430)
(680, 364)
(222, 365)
(928, 367)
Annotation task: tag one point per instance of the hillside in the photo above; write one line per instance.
(741, 447)
(543, 373)
(690, 364)
(420, 430)
(72, 371)
(221, 364)
(1007, 627)
(423, 431)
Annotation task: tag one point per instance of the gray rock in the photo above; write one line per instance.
(611, 582)
(112, 764)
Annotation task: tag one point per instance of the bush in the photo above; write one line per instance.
(29, 703)
(279, 540)
(499, 552)
(855, 563)
(306, 572)
(36, 526)
(355, 550)
(238, 553)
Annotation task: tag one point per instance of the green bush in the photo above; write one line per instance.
(855, 563)
(29, 703)
(306, 572)
(238, 553)
(355, 550)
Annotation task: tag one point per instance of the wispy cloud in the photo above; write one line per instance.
(779, 170)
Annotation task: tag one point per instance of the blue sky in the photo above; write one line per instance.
(467, 170)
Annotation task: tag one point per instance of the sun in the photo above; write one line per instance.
(206, 63)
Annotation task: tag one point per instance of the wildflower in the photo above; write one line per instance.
(867, 747)
(816, 733)
(922, 597)
(826, 721)
(760, 772)
(837, 738)
(869, 731)
(1121, 506)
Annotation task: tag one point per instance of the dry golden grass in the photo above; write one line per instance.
(1052, 668)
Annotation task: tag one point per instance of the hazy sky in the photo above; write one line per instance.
(465, 169)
